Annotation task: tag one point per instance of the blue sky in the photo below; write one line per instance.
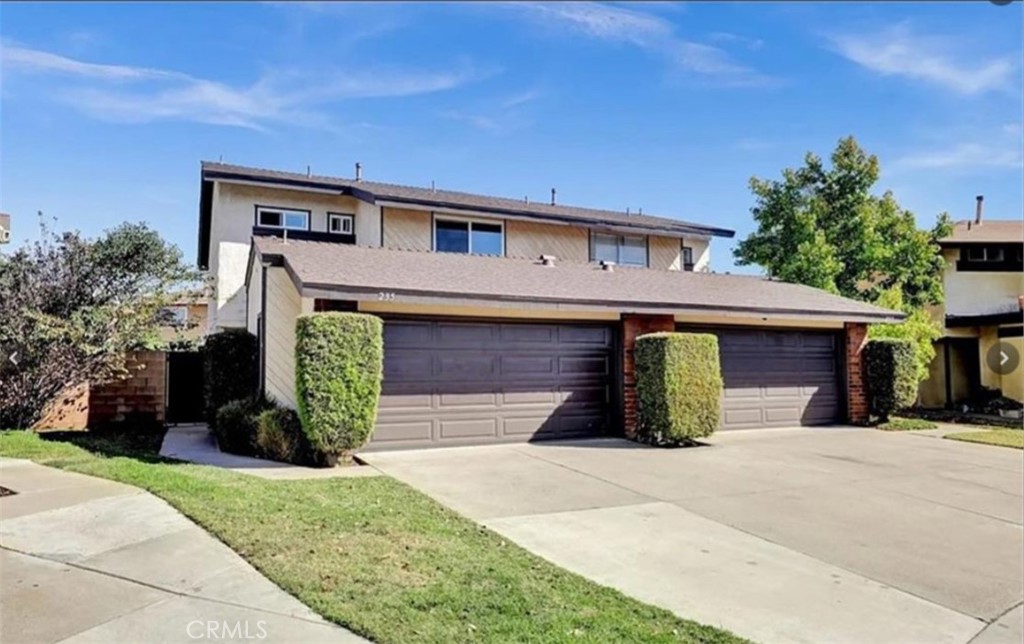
(670, 107)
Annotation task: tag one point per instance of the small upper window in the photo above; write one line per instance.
(339, 224)
(687, 258)
(176, 315)
(282, 218)
(475, 237)
(627, 250)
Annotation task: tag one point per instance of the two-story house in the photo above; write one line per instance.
(512, 319)
(983, 283)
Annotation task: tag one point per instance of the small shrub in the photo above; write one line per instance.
(279, 435)
(891, 371)
(907, 424)
(230, 369)
(338, 367)
(678, 387)
(235, 429)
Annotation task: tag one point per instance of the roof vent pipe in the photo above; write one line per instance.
(640, 211)
(548, 260)
(309, 171)
(978, 208)
(359, 171)
(526, 199)
(553, 196)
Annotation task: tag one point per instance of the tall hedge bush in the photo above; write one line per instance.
(231, 369)
(678, 387)
(339, 360)
(891, 369)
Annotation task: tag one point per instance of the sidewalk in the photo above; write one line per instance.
(88, 560)
(195, 444)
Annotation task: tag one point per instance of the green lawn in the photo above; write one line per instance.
(376, 556)
(906, 424)
(1001, 437)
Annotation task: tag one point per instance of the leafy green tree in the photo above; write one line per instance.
(71, 309)
(919, 329)
(823, 227)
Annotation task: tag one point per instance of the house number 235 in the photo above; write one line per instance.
(385, 296)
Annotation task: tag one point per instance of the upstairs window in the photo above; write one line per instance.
(474, 237)
(270, 217)
(687, 256)
(340, 224)
(627, 250)
(984, 254)
(174, 316)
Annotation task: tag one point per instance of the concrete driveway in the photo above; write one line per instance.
(805, 535)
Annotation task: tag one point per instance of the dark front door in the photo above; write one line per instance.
(184, 387)
(777, 378)
(477, 382)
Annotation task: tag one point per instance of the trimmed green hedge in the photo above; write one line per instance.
(891, 369)
(678, 387)
(339, 359)
(279, 436)
(235, 429)
(231, 363)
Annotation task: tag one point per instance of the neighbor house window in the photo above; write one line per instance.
(687, 258)
(984, 254)
(339, 224)
(269, 217)
(475, 237)
(628, 250)
(175, 316)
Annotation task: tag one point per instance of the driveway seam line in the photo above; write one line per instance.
(587, 474)
(994, 620)
(169, 590)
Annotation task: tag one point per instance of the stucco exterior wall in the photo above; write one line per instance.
(974, 293)
(407, 229)
(233, 216)
(570, 244)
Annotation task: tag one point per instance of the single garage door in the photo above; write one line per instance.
(778, 378)
(454, 382)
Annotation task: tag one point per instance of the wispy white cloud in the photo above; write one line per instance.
(898, 51)
(652, 33)
(725, 37)
(959, 156)
(124, 93)
(496, 115)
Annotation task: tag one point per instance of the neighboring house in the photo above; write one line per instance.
(509, 319)
(983, 283)
(5, 228)
(184, 321)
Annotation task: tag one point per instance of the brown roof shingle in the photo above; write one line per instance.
(449, 198)
(987, 232)
(322, 265)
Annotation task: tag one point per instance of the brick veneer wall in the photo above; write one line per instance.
(143, 392)
(632, 327)
(856, 336)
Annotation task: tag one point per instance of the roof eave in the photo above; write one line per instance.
(342, 292)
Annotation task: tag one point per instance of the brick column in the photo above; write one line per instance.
(632, 327)
(856, 388)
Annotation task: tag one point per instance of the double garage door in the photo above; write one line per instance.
(465, 382)
(458, 383)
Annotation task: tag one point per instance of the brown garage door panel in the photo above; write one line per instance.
(452, 382)
(777, 378)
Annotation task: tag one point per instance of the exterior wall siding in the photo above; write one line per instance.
(407, 229)
(973, 293)
(284, 305)
(570, 244)
(664, 253)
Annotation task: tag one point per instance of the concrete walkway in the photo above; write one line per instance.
(89, 560)
(195, 444)
(836, 535)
